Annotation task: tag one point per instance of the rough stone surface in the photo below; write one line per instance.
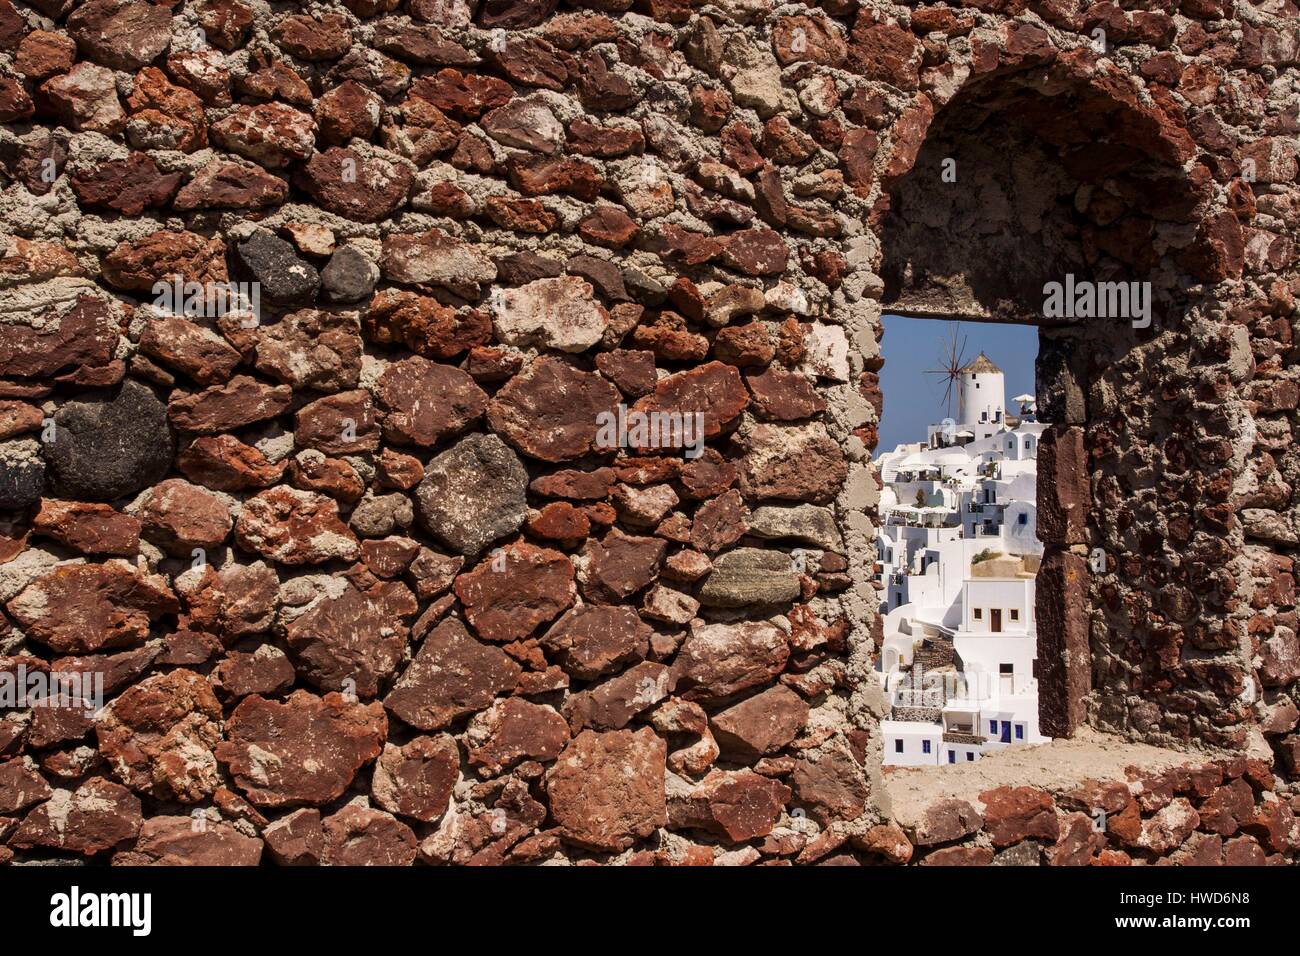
(472, 494)
(689, 210)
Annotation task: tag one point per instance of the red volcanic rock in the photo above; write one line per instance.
(226, 22)
(793, 463)
(85, 607)
(416, 779)
(464, 96)
(815, 39)
(189, 348)
(430, 258)
(224, 463)
(452, 675)
(191, 841)
(296, 839)
(164, 115)
(714, 390)
(265, 671)
(84, 99)
(617, 566)
(225, 184)
(294, 527)
(423, 325)
(97, 816)
(237, 601)
(241, 401)
(718, 660)
(43, 54)
(561, 522)
(607, 789)
(128, 186)
(514, 590)
(834, 786)
(21, 785)
(605, 142)
(312, 349)
(756, 252)
(137, 265)
(352, 641)
(88, 528)
(158, 737)
(719, 522)
(359, 836)
(543, 175)
(886, 52)
(365, 188)
(945, 821)
(611, 704)
(78, 342)
(348, 111)
(326, 37)
(592, 640)
(122, 34)
(736, 805)
(761, 724)
(782, 396)
(424, 403)
(512, 730)
(270, 134)
(178, 517)
(551, 410)
(341, 424)
(1012, 814)
(305, 750)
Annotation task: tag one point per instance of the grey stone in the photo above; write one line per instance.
(1026, 853)
(806, 524)
(22, 473)
(643, 289)
(472, 494)
(286, 279)
(107, 448)
(349, 276)
(748, 576)
(377, 516)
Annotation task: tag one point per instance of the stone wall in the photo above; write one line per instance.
(362, 576)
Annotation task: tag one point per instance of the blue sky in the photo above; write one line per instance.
(913, 399)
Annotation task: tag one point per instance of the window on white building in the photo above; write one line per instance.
(970, 755)
(1015, 614)
(925, 746)
(978, 613)
(898, 746)
(1020, 731)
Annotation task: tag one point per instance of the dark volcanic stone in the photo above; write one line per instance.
(349, 276)
(112, 447)
(472, 494)
(22, 473)
(286, 279)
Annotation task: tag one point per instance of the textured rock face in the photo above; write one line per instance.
(305, 750)
(452, 675)
(473, 494)
(109, 448)
(478, 228)
(607, 789)
(159, 735)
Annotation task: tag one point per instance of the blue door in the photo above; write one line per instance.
(1006, 731)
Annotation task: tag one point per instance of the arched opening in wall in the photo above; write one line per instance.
(957, 549)
(1053, 196)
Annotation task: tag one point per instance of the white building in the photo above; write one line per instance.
(957, 554)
